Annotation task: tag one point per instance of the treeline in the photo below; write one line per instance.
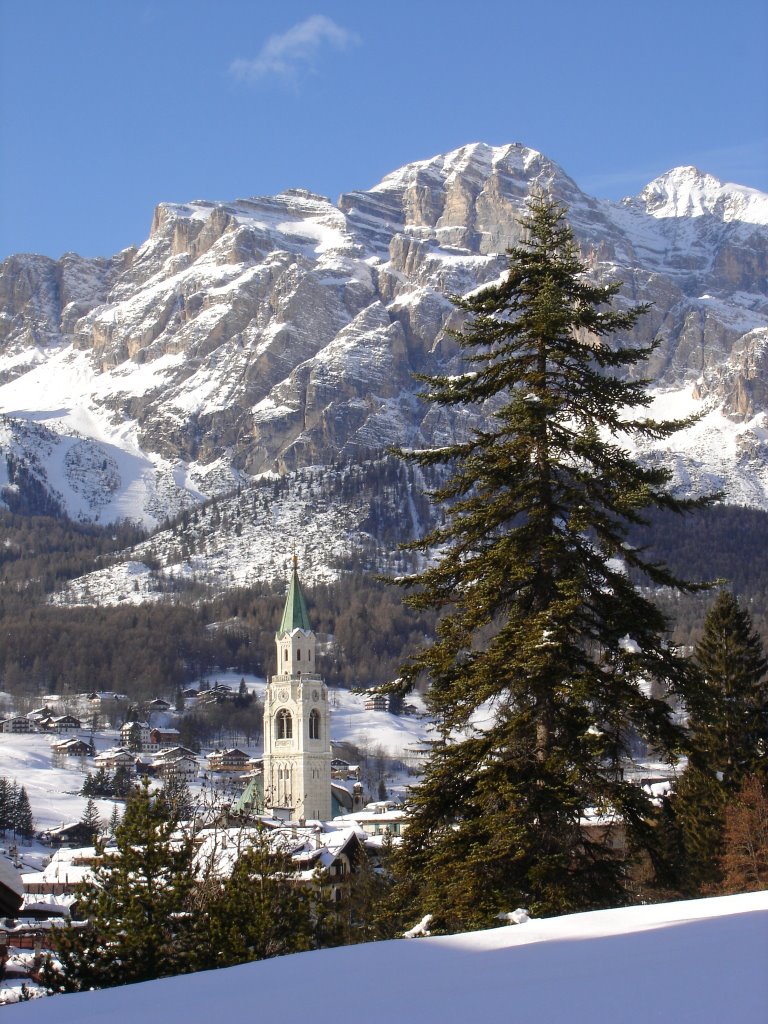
(142, 651)
(725, 542)
(365, 632)
(40, 553)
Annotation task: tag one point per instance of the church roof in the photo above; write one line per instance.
(295, 615)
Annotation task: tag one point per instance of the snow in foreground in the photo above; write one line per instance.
(702, 960)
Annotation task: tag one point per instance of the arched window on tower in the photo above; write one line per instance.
(314, 725)
(284, 725)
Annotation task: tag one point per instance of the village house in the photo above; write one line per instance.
(159, 738)
(73, 747)
(232, 760)
(383, 817)
(60, 724)
(135, 735)
(66, 869)
(115, 757)
(177, 763)
(18, 724)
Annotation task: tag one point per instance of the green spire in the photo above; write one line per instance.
(295, 615)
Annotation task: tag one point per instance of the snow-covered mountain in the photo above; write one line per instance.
(275, 333)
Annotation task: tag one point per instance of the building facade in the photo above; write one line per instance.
(297, 740)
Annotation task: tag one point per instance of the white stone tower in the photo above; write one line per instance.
(297, 740)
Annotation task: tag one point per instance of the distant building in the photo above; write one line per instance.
(73, 747)
(60, 724)
(135, 735)
(297, 742)
(18, 724)
(232, 760)
(159, 738)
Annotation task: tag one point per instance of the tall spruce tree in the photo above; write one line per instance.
(543, 640)
(729, 713)
(728, 719)
(137, 906)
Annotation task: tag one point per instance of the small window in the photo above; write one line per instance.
(314, 725)
(309, 655)
(284, 725)
(285, 654)
(298, 654)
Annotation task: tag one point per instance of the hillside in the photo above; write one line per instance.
(700, 961)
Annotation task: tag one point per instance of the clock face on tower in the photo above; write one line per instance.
(282, 694)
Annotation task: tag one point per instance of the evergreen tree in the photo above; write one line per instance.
(729, 712)
(137, 906)
(6, 805)
(23, 822)
(699, 807)
(542, 630)
(114, 821)
(91, 818)
(728, 720)
(122, 782)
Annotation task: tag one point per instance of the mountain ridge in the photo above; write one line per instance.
(270, 334)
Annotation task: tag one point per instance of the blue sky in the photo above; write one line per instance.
(108, 107)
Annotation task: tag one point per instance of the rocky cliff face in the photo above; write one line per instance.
(274, 333)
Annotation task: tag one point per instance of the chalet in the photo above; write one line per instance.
(177, 763)
(135, 735)
(343, 770)
(378, 819)
(376, 701)
(60, 724)
(320, 856)
(159, 738)
(18, 724)
(73, 747)
(75, 834)
(233, 760)
(158, 704)
(115, 757)
(218, 694)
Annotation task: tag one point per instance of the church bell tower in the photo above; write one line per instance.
(297, 740)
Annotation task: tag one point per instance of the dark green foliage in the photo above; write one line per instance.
(23, 823)
(699, 805)
(91, 818)
(137, 908)
(101, 783)
(15, 809)
(728, 721)
(541, 632)
(729, 713)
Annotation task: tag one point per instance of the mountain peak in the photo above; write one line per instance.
(690, 192)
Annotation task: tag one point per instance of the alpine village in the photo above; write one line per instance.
(413, 583)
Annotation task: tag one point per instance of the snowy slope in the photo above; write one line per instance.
(701, 961)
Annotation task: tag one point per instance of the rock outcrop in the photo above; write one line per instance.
(273, 333)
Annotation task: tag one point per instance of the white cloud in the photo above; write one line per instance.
(283, 55)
